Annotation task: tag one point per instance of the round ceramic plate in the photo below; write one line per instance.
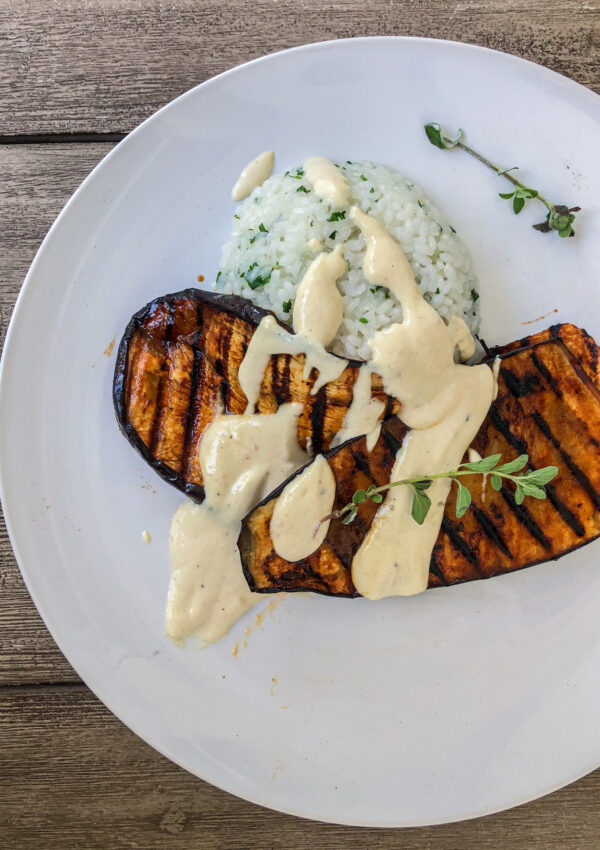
(445, 706)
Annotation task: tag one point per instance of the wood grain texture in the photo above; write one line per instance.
(72, 776)
(111, 63)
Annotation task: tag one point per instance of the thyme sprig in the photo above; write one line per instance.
(559, 217)
(531, 483)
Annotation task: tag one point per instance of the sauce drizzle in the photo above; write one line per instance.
(328, 181)
(253, 175)
(444, 404)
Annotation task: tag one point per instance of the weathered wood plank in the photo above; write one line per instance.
(72, 776)
(37, 180)
(104, 65)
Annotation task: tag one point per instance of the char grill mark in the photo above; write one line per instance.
(548, 386)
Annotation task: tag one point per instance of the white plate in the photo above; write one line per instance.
(409, 711)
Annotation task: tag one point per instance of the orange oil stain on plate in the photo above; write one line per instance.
(539, 318)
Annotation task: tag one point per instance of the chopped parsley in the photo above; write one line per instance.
(297, 176)
(256, 276)
(348, 162)
(332, 234)
(373, 289)
(474, 295)
(437, 291)
(363, 320)
(218, 276)
(337, 216)
(452, 229)
(252, 240)
(379, 288)
(302, 189)
(262, 228)
(372, 190)
(286, 306)
(421, 204)
(236, 216)
(363, 178)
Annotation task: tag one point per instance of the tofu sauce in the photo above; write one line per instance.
(243, 458)
(253, 175)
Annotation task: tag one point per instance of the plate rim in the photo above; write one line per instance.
(27, 291)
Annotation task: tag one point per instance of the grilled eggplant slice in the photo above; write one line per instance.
(177, 368)
(548, 406)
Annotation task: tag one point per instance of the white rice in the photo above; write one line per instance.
(272, 240)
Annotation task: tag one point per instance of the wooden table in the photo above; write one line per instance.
(75, 76)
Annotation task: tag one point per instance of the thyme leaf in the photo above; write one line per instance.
(559, 217)
(529, 483)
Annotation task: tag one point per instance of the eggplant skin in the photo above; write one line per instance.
(177, 369)
(548, 406)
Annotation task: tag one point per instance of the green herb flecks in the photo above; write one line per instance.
(474, 295)
(337, 216)
(363, 320)
(559, 217)
(262, 228)
(286, 306)
(333, 234)
(531, 483)
(302, 189)
(257, 276)
(297, 175)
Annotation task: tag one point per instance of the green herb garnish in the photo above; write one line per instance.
(332, 234)
(262, 228)
(257, 276)
(363, 178)
(337, 216)
(297, 176)
(236, 216)
(559, 217)
(302, 189)
(286, 306)
(530, 483)
(363, 320)
(474, 295)
(217, 277)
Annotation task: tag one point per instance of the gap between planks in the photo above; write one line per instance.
(59, 138)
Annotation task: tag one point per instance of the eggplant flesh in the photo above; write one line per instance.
(548, 407)
(177, 369)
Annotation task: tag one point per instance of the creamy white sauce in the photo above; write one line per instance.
(496, 372)
(327, 180)
(253, 175)
(362, 417)
(444, 403)
(243, 458)
(319, 308)
(296, 527)
(464, 344)
(474, 456)
(270, 338)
